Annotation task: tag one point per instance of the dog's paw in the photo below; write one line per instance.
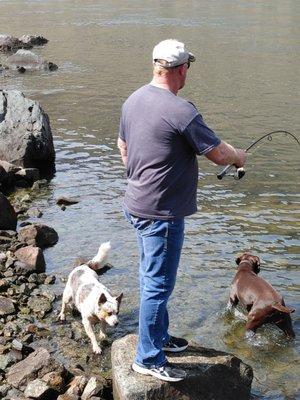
(97, 350)
(102, 336)
(62, 317)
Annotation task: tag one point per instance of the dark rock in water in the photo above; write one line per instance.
(6, 306)
(8, 217)
(33, 259)
(25, 134)
(36, 365)
(38, 235)
(29, 61)
(33, 40)
(67, 201)
(211, 375)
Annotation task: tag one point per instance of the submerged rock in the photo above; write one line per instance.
(25, 133)
(29, 61)
(211, 375)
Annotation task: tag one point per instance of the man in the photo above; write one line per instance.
(160, 136)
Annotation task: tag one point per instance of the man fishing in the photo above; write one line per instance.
(160, 136)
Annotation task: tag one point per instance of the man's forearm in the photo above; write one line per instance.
(225, 154)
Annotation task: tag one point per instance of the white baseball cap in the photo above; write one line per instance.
(173, 52)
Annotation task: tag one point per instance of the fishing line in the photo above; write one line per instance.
(240, 172)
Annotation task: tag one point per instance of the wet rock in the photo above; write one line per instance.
(6, 306)
(36, 365)
(67, 201)
(211, 375)
(29, 61)
(25, 133)
(38, 235)
(32, 257)
(33, 40)
(8, 217)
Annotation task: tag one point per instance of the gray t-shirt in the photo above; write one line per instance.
(163, 135)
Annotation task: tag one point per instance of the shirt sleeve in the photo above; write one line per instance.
(200, 137)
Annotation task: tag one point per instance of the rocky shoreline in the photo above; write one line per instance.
(32, 341)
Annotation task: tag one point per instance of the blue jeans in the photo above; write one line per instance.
(160, 243)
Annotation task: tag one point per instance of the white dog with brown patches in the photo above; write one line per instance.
(91, 298)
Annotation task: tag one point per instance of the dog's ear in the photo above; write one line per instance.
(282, 308)
(102, 299)
(238, 260)
(119, 298)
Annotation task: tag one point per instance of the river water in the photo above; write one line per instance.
(245, 83)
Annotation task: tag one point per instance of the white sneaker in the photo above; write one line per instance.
(168, 372)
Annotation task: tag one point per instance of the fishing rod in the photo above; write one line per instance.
(240, 172)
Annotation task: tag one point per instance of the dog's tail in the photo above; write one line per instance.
(282, 308)
(100, 259)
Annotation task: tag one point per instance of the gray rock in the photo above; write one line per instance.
(28, 60)
(36, 389)
(25, 134)
(32, 258)
(38, 235)
(211, 375)
(36, 365)
(6, 306)
(8, 217)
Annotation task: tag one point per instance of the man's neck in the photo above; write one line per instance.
(164, 85)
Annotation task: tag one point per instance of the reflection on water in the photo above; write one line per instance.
(245, 83)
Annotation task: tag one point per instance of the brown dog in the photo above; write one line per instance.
(261, 300)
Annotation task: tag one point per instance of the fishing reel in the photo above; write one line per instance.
(237, 174)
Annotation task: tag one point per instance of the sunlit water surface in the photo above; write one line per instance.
(245, 83)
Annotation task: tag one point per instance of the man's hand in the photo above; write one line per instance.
(123, 150)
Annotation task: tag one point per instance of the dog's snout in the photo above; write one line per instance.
(116, 323)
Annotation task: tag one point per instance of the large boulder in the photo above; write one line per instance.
(8, 217)
(25, 134)
(211, 375)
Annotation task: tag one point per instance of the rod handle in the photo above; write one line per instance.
(224, 171)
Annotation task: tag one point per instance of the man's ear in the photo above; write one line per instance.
(119, 298)
(102, 299)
